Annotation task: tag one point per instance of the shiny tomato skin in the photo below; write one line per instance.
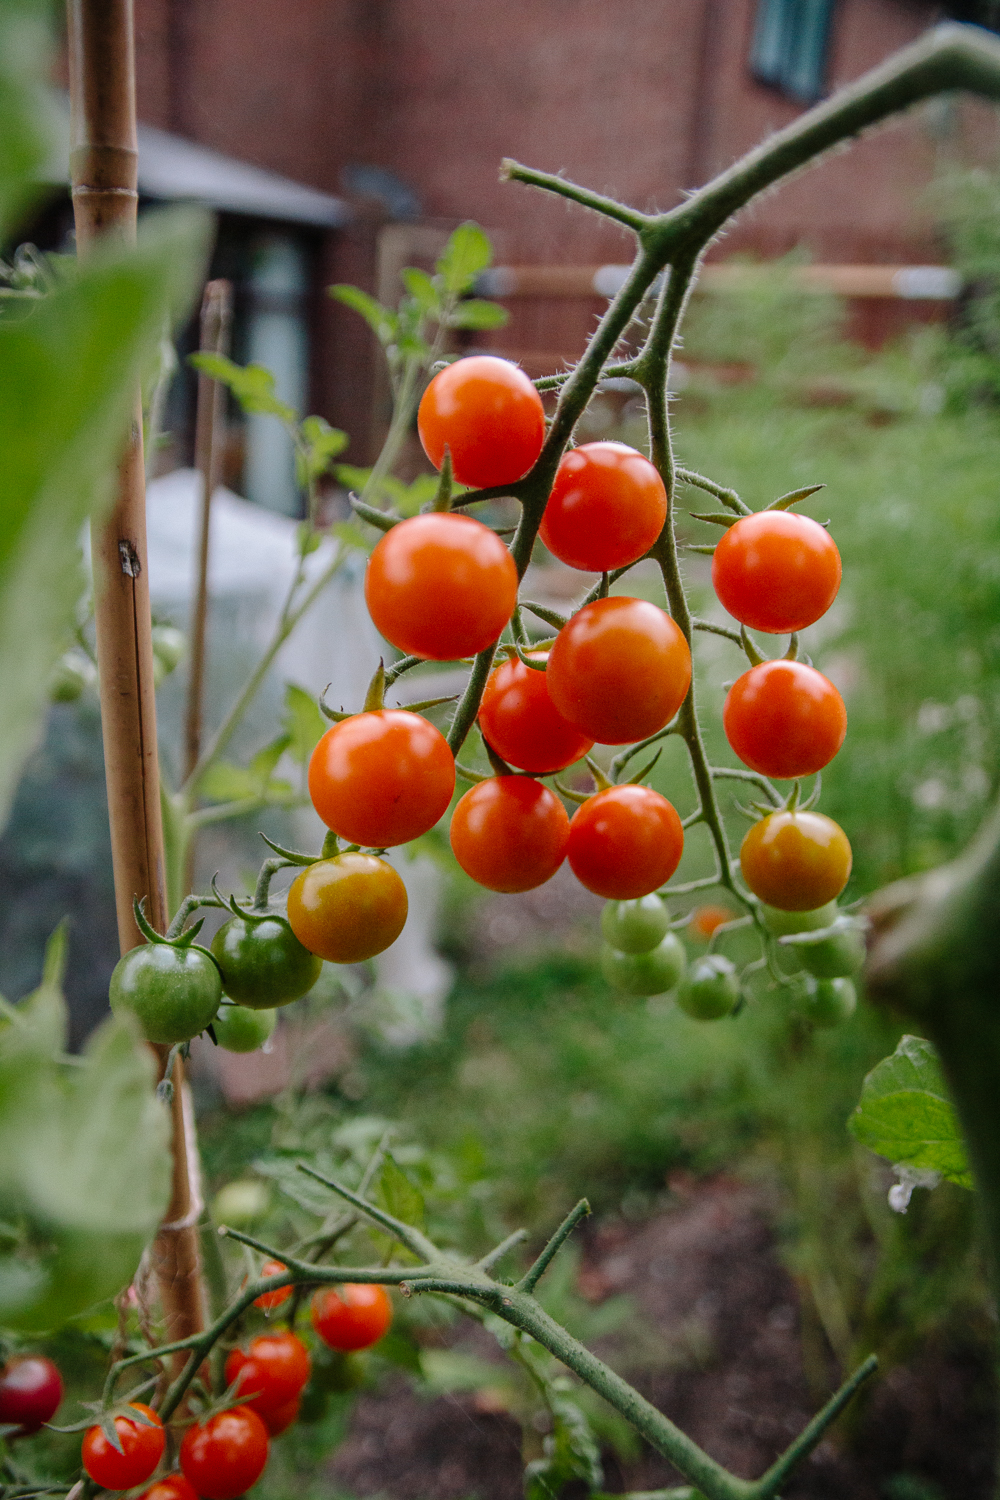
(270, 1300)
(170, 1487)
(776, 571)
(619, 670)
(625, 842)
(348, 908)
(142, 1449)
(280, 1420)
(509, 833)
(262, 963)
(351, 1317)
(607, 507)
(522, 724)
(31, 1389)
(710, 989)
(381, 778)
(224, 1456)
(796, 861)
(784, 719)
(488, 414)
(272, 1372)
(441, 586)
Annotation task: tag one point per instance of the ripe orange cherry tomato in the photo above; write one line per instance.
(170, 1487)
(619, 670)
(381, 778)
(796, 861)
(625, 842)
(705, 919)
(351, 1317)
(270, 1300)
(509, 833)
(271, 1373)
(348, 908)
(607, 507)
(488, 413)
(523, 725)
(225, 1455)
(784, 719)
(776, 571)
(441, 586)
(142, 1448)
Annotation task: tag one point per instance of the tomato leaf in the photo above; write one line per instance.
(475, 313)
(905, 1114)
(423, 291)
(252, 385)
(84, 1226)
(321, 444)
(303, 723)
(402, 1198)
(467, 252)
(226, 782)
(71, 370)
(381, 320)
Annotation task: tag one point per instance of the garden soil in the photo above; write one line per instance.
(722, 1354)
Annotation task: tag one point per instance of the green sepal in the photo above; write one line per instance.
(716, 517)
(793, 497)
(377, 518)
(292, 855)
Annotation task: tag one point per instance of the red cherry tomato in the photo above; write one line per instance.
(509, 833)
(225, 1455)
(279, 1421)
(142, 1448)
(441, 586)
(488, 413)
(170, 1487)
(607, 507)
(625, 842)
(784, 719)
(351, 1317)
(796, 861)
(381, 778)
(619, 670)
(523, 725)
(271, 1373)
(775, 571)
(270, 1300)
(348, 908)
(31, 1389)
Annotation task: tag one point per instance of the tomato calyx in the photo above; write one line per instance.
(181, 941)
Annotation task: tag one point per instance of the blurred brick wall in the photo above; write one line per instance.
(639, 98)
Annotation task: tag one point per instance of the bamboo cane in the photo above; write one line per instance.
(104, 174)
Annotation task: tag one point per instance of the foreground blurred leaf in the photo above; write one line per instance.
(84, 1158)
(905, 1114)
(71, 370)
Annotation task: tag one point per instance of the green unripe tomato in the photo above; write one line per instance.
(635, 926)
(263, 964)
(781, 923)
(834, 957)
(173, 992)
(711, 988)
(239, 1029)
(650, 973)
(824, 1002)
(241, 1202)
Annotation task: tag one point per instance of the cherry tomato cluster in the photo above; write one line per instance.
(442, 586)
(223, 1453)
